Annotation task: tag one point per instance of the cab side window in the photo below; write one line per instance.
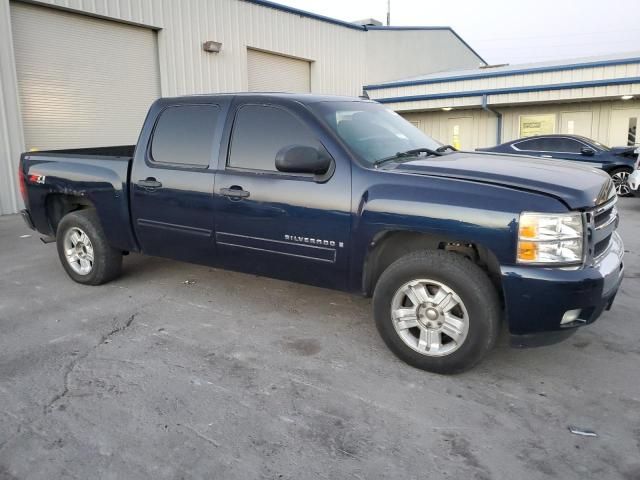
(260, 132)
(184, 134)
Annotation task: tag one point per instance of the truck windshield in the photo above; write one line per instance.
(373, 131)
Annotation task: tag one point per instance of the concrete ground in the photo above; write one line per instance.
(180, 371)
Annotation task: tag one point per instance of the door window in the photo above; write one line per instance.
(184, 135)
(260, 132)
(533, 145)
(560, 145)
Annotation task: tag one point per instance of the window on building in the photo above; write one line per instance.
(631, 135)
(184, 135)
(260, 132)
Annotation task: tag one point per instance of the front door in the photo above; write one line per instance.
(623, 127)
(460, 133)
(289, 226)
(172, 184)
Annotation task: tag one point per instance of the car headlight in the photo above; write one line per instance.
(550, 238)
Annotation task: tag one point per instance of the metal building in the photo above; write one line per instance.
(79, 73)
(595, 97)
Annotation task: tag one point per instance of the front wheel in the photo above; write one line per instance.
(620, 177)
(437, 311)
(84, 251)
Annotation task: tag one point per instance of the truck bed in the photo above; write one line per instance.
(99, 176)
(119, 152)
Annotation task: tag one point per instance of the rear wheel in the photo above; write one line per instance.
(437, 311)
(620, 177)
(83, 249)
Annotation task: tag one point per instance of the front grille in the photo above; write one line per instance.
(601, 247)
(602, 221)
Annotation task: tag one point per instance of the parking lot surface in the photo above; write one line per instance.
(181, 371)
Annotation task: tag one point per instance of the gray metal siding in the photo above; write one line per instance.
(83, 81)
(338, 55)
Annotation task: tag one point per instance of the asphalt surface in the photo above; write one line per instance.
(181, 371)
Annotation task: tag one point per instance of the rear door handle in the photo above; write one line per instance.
(234, 192)
(149, 183)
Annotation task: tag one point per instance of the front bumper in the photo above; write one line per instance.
(537, 298)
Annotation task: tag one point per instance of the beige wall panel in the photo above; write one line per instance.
(480, 131)
(397, 54)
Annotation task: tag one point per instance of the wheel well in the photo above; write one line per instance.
(58, 205)
(388, 247)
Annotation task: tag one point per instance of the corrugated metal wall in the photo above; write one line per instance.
(89, 83)
(339, 55)
(517, 80)
(436, 124)
(484, 124)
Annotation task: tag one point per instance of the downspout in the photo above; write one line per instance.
(498, 115)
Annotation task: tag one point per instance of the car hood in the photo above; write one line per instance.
(578, 186)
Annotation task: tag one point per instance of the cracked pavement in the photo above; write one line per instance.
(233, 376)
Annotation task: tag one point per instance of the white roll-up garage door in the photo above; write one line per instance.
(83, 81)
(269, 72)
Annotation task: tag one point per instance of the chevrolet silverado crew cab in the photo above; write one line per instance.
(343, 193)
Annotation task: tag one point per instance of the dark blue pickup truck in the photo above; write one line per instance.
(343, 193)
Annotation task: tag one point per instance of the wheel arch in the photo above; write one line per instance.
(57, 205)
(388, 246)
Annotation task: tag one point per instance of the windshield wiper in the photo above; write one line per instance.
(444, 148)
(409, 153)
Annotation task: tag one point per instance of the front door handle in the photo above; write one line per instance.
(234, 192)
(149, 183)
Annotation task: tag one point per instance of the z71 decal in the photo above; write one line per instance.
(37, 179)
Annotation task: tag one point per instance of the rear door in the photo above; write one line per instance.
(289, 226)
(172, 181)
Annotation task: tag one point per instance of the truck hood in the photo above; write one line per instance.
(576, 185)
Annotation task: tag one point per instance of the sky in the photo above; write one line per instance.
(503, 31)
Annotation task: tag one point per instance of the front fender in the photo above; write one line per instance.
(455, 210)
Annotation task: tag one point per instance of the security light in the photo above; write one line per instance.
(446, 109)
(212, 47)
(626, 97)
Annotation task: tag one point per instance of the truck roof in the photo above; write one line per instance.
(305, 98)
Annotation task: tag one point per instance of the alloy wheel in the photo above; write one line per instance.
(429, 317)
(78, 251)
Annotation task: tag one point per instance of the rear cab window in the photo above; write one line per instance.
(184, 136)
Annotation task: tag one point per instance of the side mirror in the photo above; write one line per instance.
(302, 159)
(588, 151)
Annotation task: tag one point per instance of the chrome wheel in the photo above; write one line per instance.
(429, 317)
(620, 180)
(78, 251)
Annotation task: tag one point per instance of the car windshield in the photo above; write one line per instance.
(373, 131)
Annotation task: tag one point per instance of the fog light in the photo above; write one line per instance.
(570, 316)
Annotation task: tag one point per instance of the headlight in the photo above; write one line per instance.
(550, 238)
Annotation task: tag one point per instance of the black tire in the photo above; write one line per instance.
(621, 170)
(472, 286)
(107, 261)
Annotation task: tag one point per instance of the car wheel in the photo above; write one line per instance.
(83, 249)
(437, 311)
(620, 177)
